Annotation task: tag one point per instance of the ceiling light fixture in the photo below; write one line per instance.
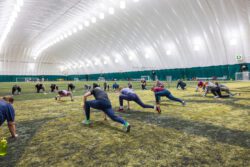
(17, 9)
(122, 4)
(111, 11)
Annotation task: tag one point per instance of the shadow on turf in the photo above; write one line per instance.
(16, 147)
(230, 102)
(213, 132)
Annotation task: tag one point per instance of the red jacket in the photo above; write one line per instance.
(158, 89)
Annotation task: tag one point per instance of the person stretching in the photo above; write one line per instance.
(16, 89)
(103, 103)
(159, 92)
(201, 85)
(64, 93)
(216, 91)
(181, 84)
(71, 87)
(7, 112)
(39, 87)
(53, 88)
(129, 95)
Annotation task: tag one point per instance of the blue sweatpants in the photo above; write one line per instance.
(167, 94)
(105, 106)
(135, 98)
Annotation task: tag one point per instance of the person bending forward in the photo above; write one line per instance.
(129, 95)
(7, 112)
(103, 103)
(64, 93)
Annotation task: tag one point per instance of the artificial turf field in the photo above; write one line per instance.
(206, 132)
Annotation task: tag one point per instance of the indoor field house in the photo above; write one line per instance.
(124, 83)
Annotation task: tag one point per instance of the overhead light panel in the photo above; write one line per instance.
(80, 27)
(122, 4)
(101, 16)
(111, 11)
(86, 23)
(93, 20)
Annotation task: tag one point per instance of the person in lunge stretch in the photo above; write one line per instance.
(129, 95)
(159, 92)
(103, 103)
(201, 85)
(64, 93)
(16, 89)
(216, 91)
(40, 87)
(143, 84)
(71, 87)
(53, 88)
(181, 84)
(7, 112)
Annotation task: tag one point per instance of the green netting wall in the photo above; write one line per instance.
(187, 73)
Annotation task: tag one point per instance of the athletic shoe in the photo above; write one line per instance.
(120, 110)
(86, 122)
(127, 127)
(183, 103)
(216, 96)
(158, 109)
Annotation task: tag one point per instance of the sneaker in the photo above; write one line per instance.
(158, 109)
(127, 127)
(120, 110)
(86, 122)
(184, 103)
(216, 96)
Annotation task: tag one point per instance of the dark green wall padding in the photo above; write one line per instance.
(185, 73)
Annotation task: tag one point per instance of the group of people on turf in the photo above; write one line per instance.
(103, 103)
(214, 88)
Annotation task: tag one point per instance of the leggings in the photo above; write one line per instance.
(217, 92)
(167, 94)
(105, 106)
(135, 98)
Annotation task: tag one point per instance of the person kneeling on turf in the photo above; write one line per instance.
(181, 84)
(7, 112)
(53, 88)
(129, 95)
(16, 89)
(159, 92)
(71, 87)
(39, 87)
(64, 93)
(103, 103)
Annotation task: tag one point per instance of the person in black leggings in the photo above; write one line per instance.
(16, 89)
(129, 95)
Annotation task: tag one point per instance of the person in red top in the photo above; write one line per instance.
(64, 93)
(159, 92)
(202, 85)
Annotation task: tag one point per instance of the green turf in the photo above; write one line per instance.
(206, 132)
